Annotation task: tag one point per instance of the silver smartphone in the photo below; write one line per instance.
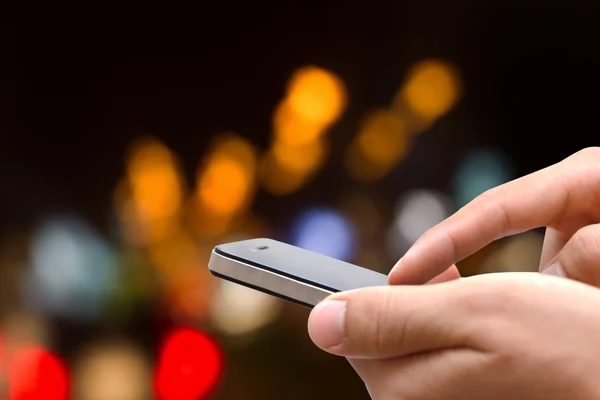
(287, 271)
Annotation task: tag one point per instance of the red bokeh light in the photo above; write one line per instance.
(37, 374)
(189, 366)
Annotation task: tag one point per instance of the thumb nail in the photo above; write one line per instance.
(555, 269)
(326, 323)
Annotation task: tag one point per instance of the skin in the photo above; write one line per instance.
(431, 335)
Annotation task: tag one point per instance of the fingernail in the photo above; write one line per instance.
(397, 266)
(326, 323)
(555, 269)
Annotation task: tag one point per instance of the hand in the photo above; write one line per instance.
(495, 336)
(564, 197)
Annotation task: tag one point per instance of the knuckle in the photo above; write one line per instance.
(387, 332)
(586, 160)
(583, 254)
(592, 152)
(487, 196)
(587, 243)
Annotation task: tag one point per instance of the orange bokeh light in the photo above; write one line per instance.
(432, 88)
(316, 95)
(155, 180)
(226, 181)
(224, 186)
(380, 144)
(284, 168)
(292, 128)
(150, 198)
(382, 139)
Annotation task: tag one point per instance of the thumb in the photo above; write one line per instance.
(579, 259)
(392, 321)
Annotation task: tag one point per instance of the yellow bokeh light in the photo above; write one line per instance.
(112, 371)
(149, 199)
(432, 88)
(305, 158)
(226, 180)
(278, 180)
(285, 168)
(155, 179)
(316, 95)
(382, 139)
(292, 128)
(224, 186)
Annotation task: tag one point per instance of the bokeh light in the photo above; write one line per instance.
(237, 310)
(416, 211)
(285, 168)
(189, 367)
(112, 371)
(35, 373)
(325, 231)
(480, 170)
(380, 144)
(226, 180)
(316, 95)
(149, 200)
(73, 270)
(292, 129)
(315, 99)
(431, 89)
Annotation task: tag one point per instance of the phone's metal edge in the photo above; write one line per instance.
(267, 281)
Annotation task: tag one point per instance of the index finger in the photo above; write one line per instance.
(535, 200)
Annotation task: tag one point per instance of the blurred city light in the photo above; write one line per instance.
(316, 95)
(380, 144)
(416, 212)
(293, 130)
(285, 168)
(112, 371)
(225, 183)
(325, 231)
(189, 367)
(315, 99)
(303, 158)
(35, 373)
(237, 310)
(431, 89)
(481, 170)
(279, 180)
(73, 270)
(149, 200)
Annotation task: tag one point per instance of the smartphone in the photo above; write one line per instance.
(288, 272)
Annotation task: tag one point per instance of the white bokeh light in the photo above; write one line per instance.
(416, 212)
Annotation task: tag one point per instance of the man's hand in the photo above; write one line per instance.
(496, 336)
(564, 197)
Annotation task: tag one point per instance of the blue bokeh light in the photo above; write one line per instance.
(73, 270)
(325, 231)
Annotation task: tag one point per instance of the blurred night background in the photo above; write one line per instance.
(134, 141)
